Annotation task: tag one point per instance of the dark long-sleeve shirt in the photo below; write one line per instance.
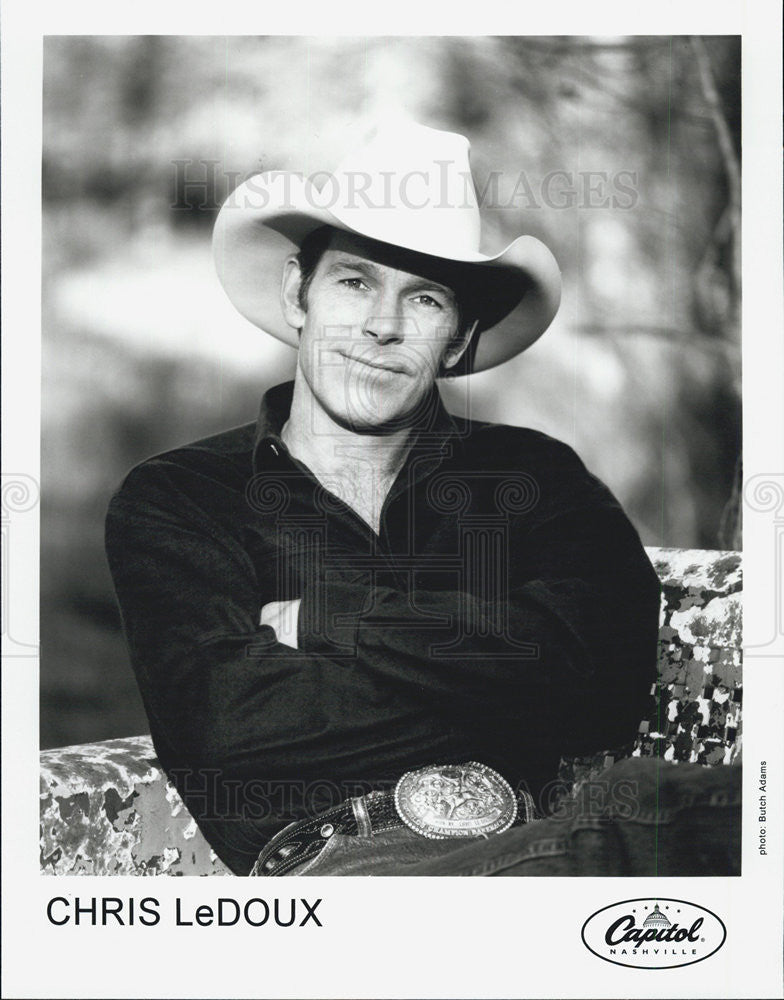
(506, 613)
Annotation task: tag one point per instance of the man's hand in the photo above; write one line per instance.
(282, 616)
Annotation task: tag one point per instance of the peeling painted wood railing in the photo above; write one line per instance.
(108, 809)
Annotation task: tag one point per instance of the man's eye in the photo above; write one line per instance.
(356, 283)
(428, 300)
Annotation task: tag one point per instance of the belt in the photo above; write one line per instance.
(437, 802)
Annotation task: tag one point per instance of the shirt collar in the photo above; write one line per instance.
(434, 432)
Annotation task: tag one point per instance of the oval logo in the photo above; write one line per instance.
(654, 933)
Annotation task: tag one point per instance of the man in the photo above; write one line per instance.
(361, 615)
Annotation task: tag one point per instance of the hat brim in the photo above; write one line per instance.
(516, 292)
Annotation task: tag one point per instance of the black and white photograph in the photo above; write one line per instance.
(391, 611)
(392, 510)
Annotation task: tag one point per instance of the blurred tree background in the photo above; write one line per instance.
(621, 153)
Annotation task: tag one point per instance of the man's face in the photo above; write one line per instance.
(379, 323)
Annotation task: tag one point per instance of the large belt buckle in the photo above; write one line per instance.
(455, 800)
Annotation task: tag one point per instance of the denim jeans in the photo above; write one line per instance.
(640, 817)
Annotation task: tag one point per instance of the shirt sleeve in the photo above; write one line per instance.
(219, 690)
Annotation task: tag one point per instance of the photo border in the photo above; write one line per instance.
(397, 937)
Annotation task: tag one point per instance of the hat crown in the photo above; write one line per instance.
(411, 186)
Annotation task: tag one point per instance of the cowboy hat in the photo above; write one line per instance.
(410, 186)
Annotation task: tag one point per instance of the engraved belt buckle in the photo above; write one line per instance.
(455, 800)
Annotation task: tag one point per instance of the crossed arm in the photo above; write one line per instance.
(221, 668)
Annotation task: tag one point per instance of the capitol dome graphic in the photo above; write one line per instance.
(656, 919)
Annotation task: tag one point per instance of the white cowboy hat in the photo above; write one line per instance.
(410, 186)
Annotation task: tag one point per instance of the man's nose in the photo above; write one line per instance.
(386, 328)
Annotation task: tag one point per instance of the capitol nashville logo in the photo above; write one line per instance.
(653, 933)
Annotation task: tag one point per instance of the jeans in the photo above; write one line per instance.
(640, 817)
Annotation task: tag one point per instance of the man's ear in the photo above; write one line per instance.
(293, 312)
(457, 348)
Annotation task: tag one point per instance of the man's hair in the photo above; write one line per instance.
(310, 253)
(317, 242)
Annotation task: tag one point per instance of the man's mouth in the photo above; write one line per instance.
(386, 366)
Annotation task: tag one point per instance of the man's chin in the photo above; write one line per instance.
(374, 410)
(378, 423)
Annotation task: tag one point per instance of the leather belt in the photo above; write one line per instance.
(437, 802)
